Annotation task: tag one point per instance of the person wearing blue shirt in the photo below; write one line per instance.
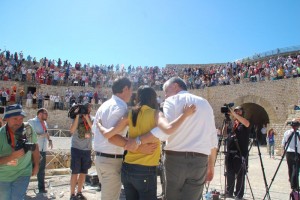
(40, 126)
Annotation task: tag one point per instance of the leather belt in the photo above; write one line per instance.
(186, 154)
(109, 155)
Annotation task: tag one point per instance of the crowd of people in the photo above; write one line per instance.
(55, 72)
(187, 124)
(62, 101)
(14, 66)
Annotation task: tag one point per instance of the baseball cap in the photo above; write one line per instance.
(13, 110)
(238, 108)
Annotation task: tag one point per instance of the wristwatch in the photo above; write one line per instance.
(138, 140)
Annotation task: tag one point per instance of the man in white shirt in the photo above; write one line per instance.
(109, 157)
(289, 145)
(190, 150)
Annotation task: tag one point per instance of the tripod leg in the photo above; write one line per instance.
(263, 170)
(250, 186)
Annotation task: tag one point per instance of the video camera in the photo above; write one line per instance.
(24, 144)
(293, 123)
(225, 108)
(83, 110)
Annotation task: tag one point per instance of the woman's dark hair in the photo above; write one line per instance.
(145, 96)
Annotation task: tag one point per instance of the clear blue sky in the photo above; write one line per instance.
(148, 33)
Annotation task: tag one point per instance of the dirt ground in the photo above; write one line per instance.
(59, 187)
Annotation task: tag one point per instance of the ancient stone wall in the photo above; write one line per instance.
(275, 97)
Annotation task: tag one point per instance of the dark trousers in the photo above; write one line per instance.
(56, 105)
(20, 101)
(140, 182)
(3, 99)
(236, 170)
(41, 173)
(291, 158)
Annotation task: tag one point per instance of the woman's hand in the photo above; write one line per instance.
(189, 110)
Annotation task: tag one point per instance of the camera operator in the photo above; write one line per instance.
(19, 154)
(237, 149)
(291, 155)
(81, 147)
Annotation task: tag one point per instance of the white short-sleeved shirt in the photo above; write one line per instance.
(197, 133)
(110, 112)
(291, 147)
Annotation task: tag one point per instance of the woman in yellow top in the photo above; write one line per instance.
(139, 170)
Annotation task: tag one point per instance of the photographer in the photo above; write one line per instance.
(237, 153)
(19, 155)
(292, 158)
(81, 147)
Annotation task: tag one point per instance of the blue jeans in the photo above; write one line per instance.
(15, 190)
(41, 173)
(40, 103)
(140, 182)
(271, 149)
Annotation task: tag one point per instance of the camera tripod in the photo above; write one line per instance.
(295, 135)
(255, 141)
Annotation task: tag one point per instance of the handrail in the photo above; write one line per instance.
(60, 132)
(273, 52)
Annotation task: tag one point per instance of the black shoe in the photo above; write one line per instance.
(80, 196)
(73, 197)
(42, 191)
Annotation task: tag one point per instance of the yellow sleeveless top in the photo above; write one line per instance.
(145, 122)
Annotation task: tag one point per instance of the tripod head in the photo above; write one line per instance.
(227, 117)
(295, 124)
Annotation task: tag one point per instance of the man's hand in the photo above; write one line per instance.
(13, 157)
(131, 145)
(17, 154)
(50, 144)
(35, 170)
(147, 148)
(76, 111)
(209, 174)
